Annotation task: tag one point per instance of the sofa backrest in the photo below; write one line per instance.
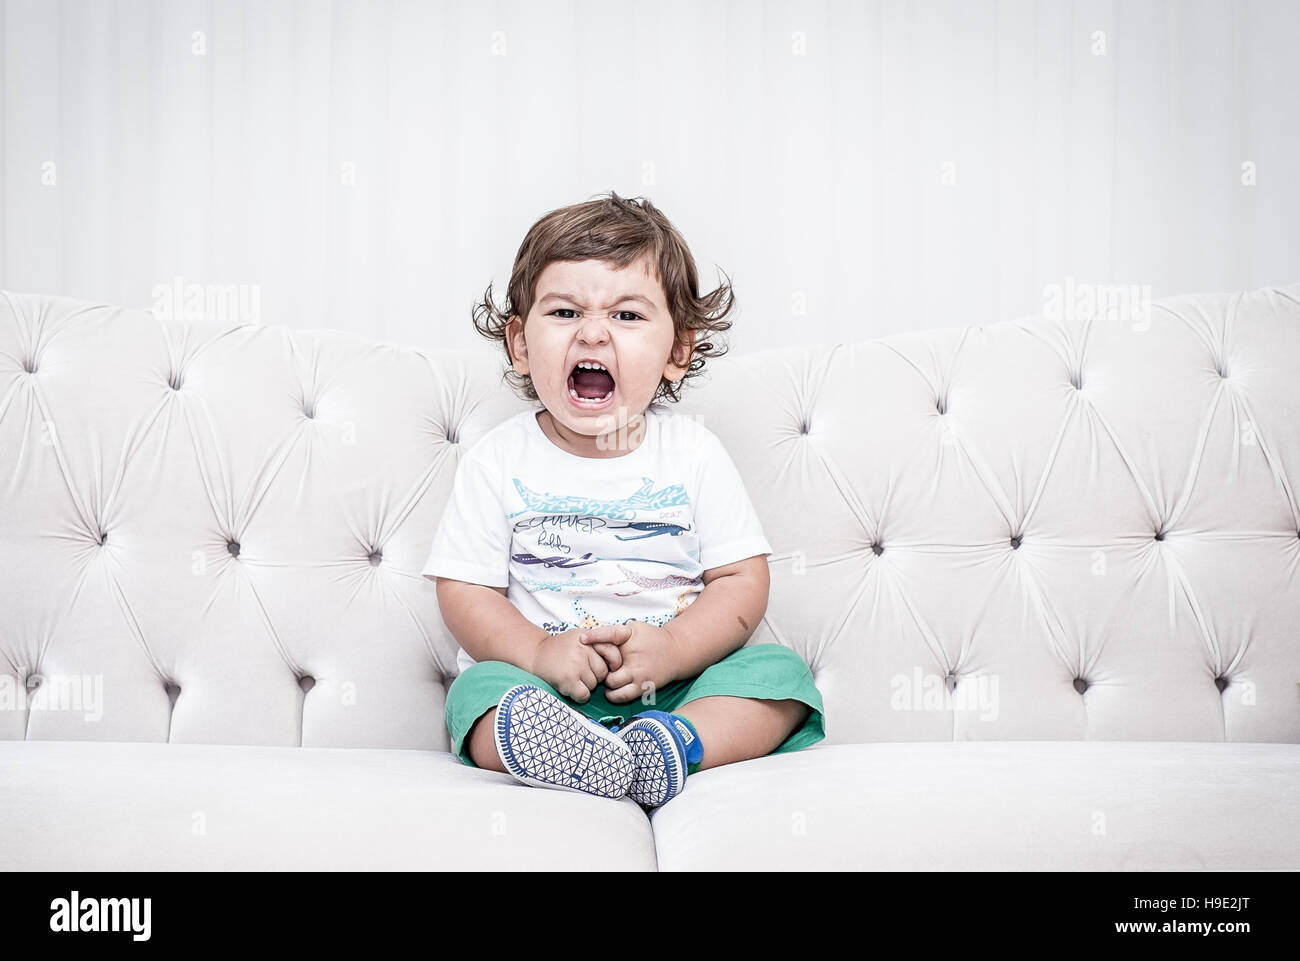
(1058, 527)
(1049, 528)
(214, 533)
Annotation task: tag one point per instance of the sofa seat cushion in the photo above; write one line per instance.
(1007, 805)
(100, 805)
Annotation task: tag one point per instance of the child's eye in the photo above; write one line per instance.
(631, 315)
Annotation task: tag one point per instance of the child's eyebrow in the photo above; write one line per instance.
(574, 300)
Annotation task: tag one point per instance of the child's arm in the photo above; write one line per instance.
(468, 561)
(722, 617)
(486, 625)
(732, 603)
(490, 628)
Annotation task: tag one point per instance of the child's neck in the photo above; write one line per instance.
(618, 442)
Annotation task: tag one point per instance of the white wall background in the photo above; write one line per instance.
(372, 166)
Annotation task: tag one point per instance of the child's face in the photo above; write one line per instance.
(592, 310)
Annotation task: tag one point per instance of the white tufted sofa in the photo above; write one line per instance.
(1046, 573)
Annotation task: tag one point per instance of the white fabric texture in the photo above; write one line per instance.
(1003, 806)
(580, 541)
(106, 806)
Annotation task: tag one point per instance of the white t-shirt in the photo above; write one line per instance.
(581, 541)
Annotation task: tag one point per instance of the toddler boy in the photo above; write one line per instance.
(599, 561)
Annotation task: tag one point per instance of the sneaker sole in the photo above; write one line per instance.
(660, 772)
(544, 742)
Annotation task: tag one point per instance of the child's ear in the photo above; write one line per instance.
(516, 345)
(680, 361)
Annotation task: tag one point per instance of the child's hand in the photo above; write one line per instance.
(572, 668)
(649, 658)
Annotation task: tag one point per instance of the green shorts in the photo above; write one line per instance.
(767, 671)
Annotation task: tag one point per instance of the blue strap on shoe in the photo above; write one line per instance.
(684, 733)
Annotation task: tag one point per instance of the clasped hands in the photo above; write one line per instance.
(628, 659)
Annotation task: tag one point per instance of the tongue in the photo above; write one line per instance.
(592, 384)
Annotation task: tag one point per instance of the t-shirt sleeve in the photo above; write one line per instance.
(472, 542)
(726, 522)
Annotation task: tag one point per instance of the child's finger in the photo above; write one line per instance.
(616, 679)
(606, 633)
(621, 695)
(598, 666)
(611, 654)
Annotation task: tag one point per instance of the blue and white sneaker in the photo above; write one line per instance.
(663, 746)
(545, 742)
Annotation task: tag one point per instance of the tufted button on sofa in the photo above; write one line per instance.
(1046, 574)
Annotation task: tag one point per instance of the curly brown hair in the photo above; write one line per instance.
(618, 230)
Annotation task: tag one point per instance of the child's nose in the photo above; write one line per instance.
(593, 331)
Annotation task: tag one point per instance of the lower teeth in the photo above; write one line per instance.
(589, 400)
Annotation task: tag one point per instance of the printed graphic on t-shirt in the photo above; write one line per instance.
(559, 541)
(647, 498)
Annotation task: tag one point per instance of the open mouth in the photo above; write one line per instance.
(590, 384)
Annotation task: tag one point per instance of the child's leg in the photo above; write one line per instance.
(481, 744)
(471, 699)
(758, 700)
(545, 732)
(740, 728)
